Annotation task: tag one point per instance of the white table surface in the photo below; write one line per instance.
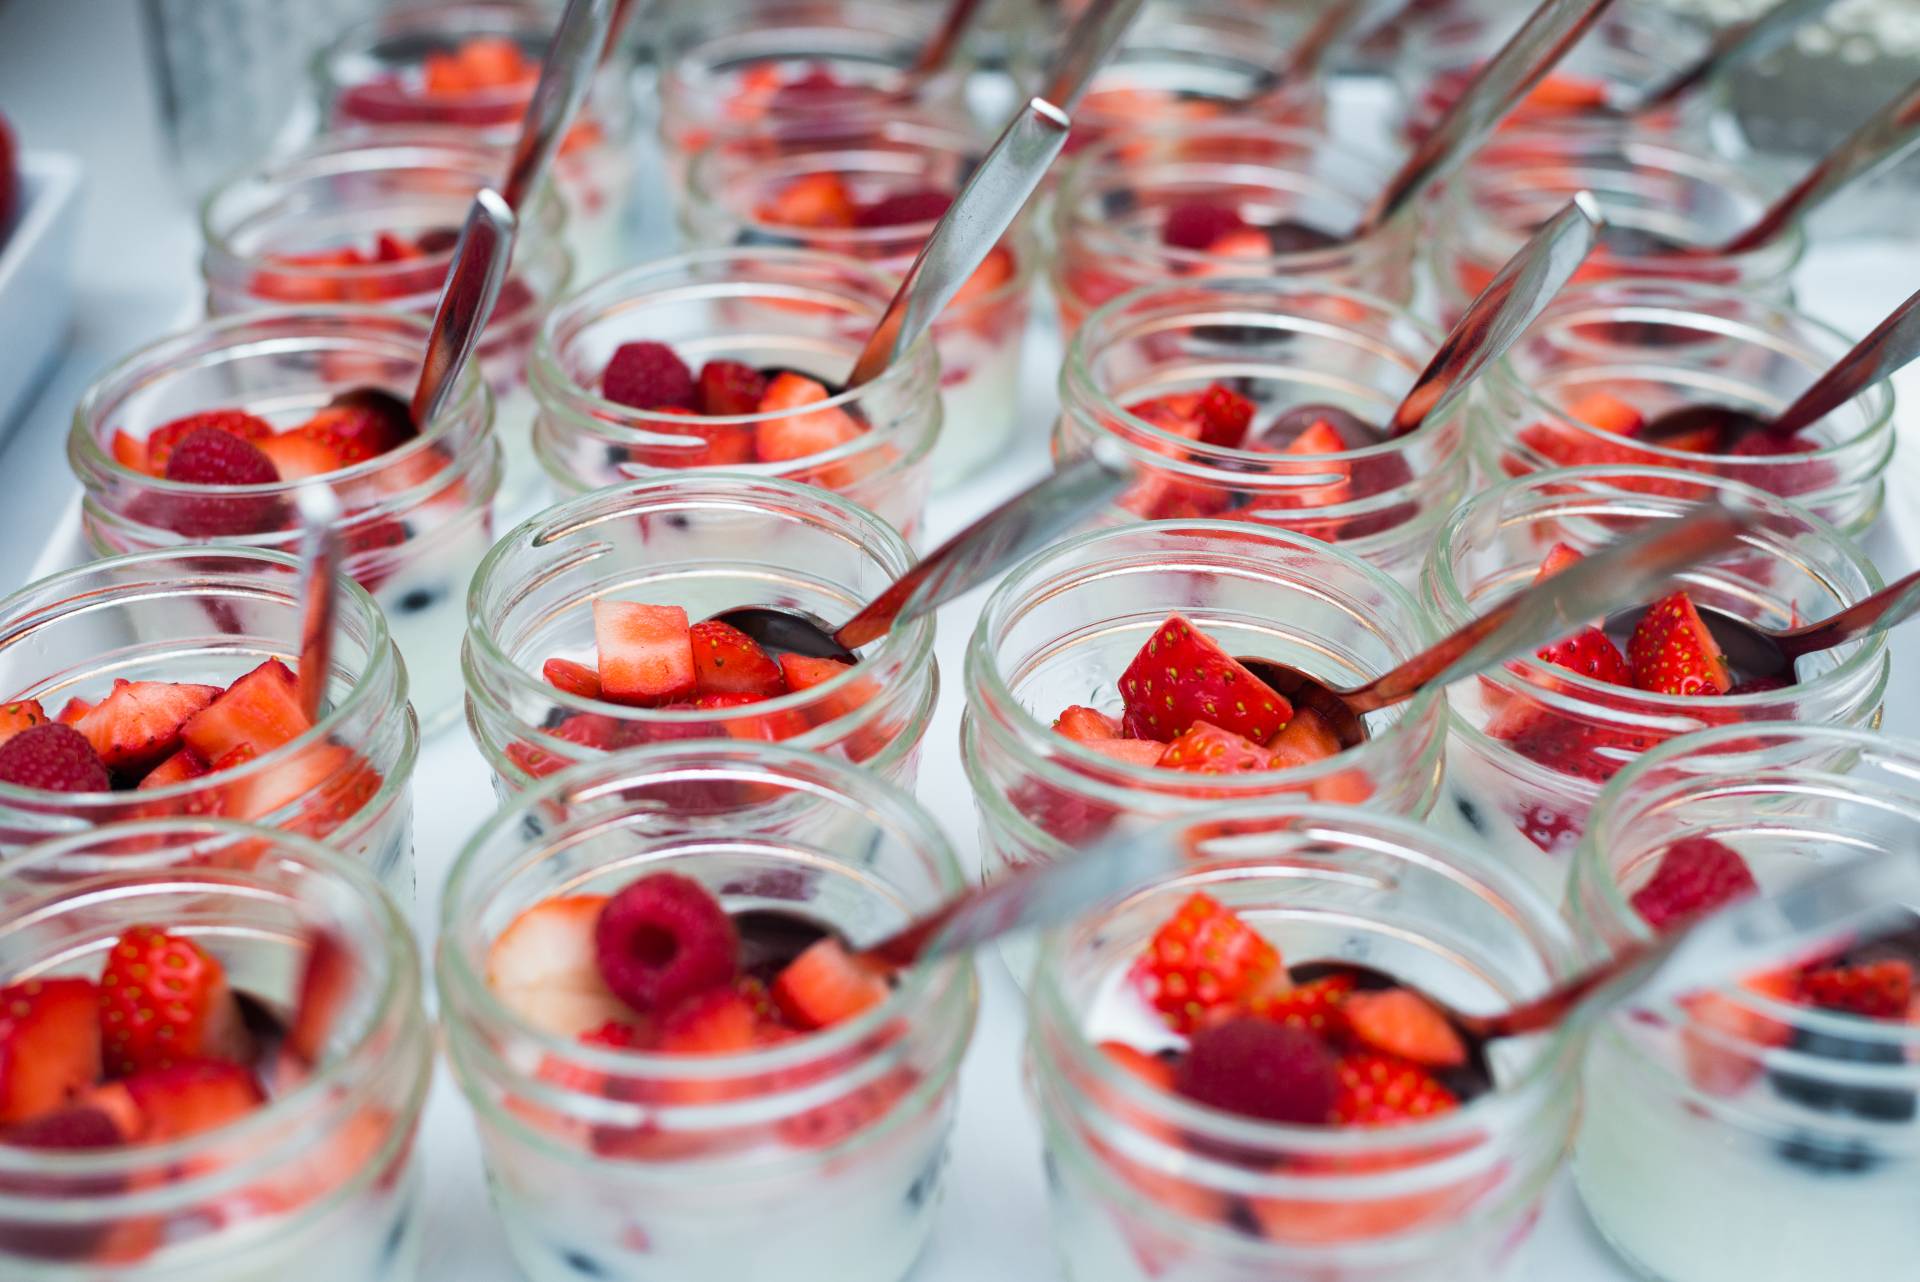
(74, 78)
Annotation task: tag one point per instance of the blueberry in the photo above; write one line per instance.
(1824, 1156)
(531, 827)
(585, 1264)
(1241, 1218)
(418, 599)
(1119, 202)
(1875, 1103)
(396, 1237)
(927, 1183)
(1051, 1168)
(1471, 813)
(766, 239)
(677, 521)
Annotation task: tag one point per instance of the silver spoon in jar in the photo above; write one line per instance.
(1733, 44)
(319, 510)
(1303, 59)
(573, 55)
(1086, 49)
(939, 50)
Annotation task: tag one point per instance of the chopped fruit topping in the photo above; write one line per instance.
(663, 939)
(797, 436)
(1320, 437)
(544, 967)
(729, 388)
(1314, 1007)
(1305, 739)
(298, 457)
(1401, 1022)
(163, 440)
(1559, 557)
(163, 1000)
(1151, 1069)
(826, 985)
(260, 711)
(715, 1021)
(1225, 416)
(1877, 990)
(210, 457)
(140, 721)
(772, 728)
(905, 208)
(1132, 752)
(82, 1126)
(574, 678)
(804, 672)
(1383, 1090)
(1695, 875)
(1181, 676)
(1608, 413)
(1206, 749)
(54, 757)
(1589, 653)
(728, 661)
(648, 376)
(1672, 651)
(1084, 725)
(646, 652)
(812, 200)
(24, 715)
(49, 1045)
(355, 431)
(1202, 961)
(1258, 1068)
(1198, 227)
(189, 1098)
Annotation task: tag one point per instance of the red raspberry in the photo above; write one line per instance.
(905, 208)
(54, 757)
(728, 387)
(662, 939)
(648, 376)
(208, 456)
(1257, 1068)
(1695, 875)
(1197, 227)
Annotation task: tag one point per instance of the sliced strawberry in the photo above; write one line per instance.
(826, 985)
(904, 208)
(162, 440)
(588, 729)
(1315, 1007)
(1876, 990)
(1320, 437)
(574, 678)
(1385, 1090)
(49, 1045)
(1133, 752)
(72, 712)
(991, 276)
(1695, 875)
(181, 766)
(1207, 749)
(356, 431)
(1305, 739)
(646, 652)
(772, 727)
(1401, 1022)
(130, 453)
(728, 661)
(141, 721)
(193, 1097)
(1225, 416)
(1085, 725)
(326, 986)
(1181, 676)
(260, 711)
(812, 200)
(544, 967)
(1151, 1069)
(1202, 962)
(1559, 557)
(1608, 413)
(163, 1001)
(23, 715)
(300, 456)
(1672, 651)
(1590, 653)
(799, 435)
(803, 672)
(729, 388)
(718, 1021)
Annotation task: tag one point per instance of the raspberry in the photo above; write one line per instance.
(53, 757)
(905, 208)
(648, 376)
(1695, 875)
(1258, 1068)
(208, 456)
(728, 387)
(1197, 227)
(662, 939)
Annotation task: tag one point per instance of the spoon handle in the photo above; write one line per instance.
(572, 56)
(1893, 345)
(953, 29)
(1544, 39)
(1086, 49)
(1304, 58)
(1879, 142)
(319, 509)
(474, 278)
(1732, 45)
(984, 210)
(1502, 312)
(1891, 605)
(1017, 528)
(1627, 573)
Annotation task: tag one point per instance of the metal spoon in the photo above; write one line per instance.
(1307, 53)
(1086, 49)
(1628, 573)
(1891, 347)
(565, 74)
(939, 50)
(962, 239)
(319, 509)
(1732, 45)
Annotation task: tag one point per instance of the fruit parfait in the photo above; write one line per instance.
(469, 70)
(212, 1061)
(735, 360)
(1532, 744)
(651, 1004)
(203, 438)
(1241, 1075)
(876, 196)
(164, 683)
(1258, 401)
(1663, 199)
(1215, 198)
(590, 629)
(373, 219)
(1766, 1131)
(1591, 379)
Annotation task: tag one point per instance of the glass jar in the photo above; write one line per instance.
(1741, 1136)
(271, 233)
(319, 1183)
(646, 1166)
(733, 197)
(706, 543)
(1282, 345)
(389, 71)
(1146, 1184)
(1528, 796)
(209, 616)
(1111, 216)
(1647, 185)
(417, 518)
(1657, 346)
(785, 308)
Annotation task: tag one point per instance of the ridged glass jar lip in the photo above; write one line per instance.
(331, 1087)
(1709, 308)
(1191, 35)
(909, 645)
(1605, 908)
(1405, 840)
(1036, 579)
(498, 851)
(1570, 691)
(1632, 53)
(269, 330)
(381, 681)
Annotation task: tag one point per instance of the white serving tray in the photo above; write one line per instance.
(36, 278)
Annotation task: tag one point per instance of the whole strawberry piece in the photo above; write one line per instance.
(663, 939)
(1204, 962)
(729, 387)
(163, 1001)
(54, 757)
(648, 376)
(1695, 875)
(1383, 1090)
(1257, 1068)
(1181, 676)
(1591, 654)
(1672, 652)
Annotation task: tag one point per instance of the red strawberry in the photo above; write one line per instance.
(797, 436)
(1085, 725)
(326, 985)
(1559, 557)
(1305, 739)
(905, 208)
(769, 728)
(193, 1097)
(163, 440)
(648, 376)
(729, 388)
(663, 939)
(574, 678)
(54, 757)
(728, 661)
(260, 711)
(140, 721)
(49, 1045)
(1151, 1069)
(1383, 1090)
(297, 456)
(1608, 413)
(1203, 961)
(812, 200)
(716, 1021)
(1258, 1068)
(646, 652)
(1562, 743)
(1877, 990)
(994, 271)
(24, 715)
(543, 967)
(1319, 437)
(163, 1000)
(1672, 652)
(1401, 1022)
(1207, 749)
(1313, 1007)
(826, 985)
(588, 729)
(72, 710)
(1196, 226)
(356, 431)
(1695, 875)
(1181, 676)
(1589, 653)
(1225, 416)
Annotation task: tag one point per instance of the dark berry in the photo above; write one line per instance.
(905, 208)
(1258, 1068)
(1696, 875)
(1197, 227)
(1290, 237)
(1825, 1156)
(208, 456)
(77, 1127)
(53, 757)
(662, 939)
(648, 376)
